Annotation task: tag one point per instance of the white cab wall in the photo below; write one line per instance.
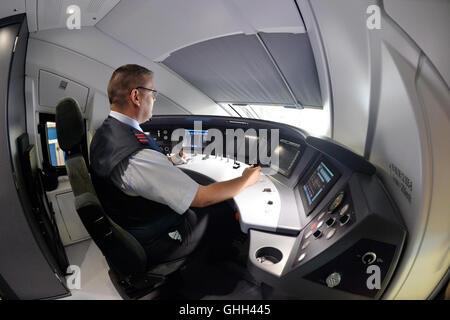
(410, 141)
(343, 34)
(107, 54)
(390, 104)
(427, 23)
(89, 57)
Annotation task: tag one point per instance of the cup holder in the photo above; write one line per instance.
(268, 255)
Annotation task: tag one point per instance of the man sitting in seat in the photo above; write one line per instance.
(138, 185)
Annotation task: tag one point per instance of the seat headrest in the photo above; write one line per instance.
(69, 124)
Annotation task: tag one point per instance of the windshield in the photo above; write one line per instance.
(314, 121)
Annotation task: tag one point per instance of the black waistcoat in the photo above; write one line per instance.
(114, 142)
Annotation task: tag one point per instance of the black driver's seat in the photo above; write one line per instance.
(131, 273)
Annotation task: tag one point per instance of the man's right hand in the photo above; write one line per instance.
(251, 175)
(220, 191)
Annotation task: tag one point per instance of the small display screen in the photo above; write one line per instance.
(195, 138)
(289, 154)
(317, 184)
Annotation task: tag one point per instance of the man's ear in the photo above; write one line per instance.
(134, 96)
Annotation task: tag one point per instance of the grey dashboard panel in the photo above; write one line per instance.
(260, 240)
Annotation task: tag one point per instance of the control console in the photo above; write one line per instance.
(321, 226)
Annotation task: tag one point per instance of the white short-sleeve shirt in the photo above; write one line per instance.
(150, 174)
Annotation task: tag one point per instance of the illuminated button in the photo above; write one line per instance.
(330, 233)
(166, 137)
(344, 209)
(313, 225)
(336, 201)
(319, 224)
(305, 245)
(308, 234)
(165, 131)
(302, 256)
(321, 216)
(344, 219)
(330, 222)
(317, 234)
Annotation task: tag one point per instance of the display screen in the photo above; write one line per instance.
(289, 154)
(195, 138)
(317, 184)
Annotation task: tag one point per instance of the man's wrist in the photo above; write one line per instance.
(244, 180)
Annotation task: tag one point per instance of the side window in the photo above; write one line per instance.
(57, 155)
(53, 157)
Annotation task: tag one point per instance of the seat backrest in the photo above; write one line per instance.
(123, 252)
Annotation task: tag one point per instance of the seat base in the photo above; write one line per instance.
(136, 287)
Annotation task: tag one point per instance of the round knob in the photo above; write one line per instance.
(369, 258)
(333, 279)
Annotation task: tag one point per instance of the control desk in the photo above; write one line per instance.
(320, 222)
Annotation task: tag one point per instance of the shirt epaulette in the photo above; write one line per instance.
(142, 138)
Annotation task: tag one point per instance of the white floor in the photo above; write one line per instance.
(95, 281)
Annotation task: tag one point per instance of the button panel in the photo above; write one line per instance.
(334, 219)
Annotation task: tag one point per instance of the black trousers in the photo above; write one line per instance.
(210, 228)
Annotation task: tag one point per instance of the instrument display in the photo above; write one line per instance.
(317, 183)
(289, 153)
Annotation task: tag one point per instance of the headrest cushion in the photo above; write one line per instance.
(69, 124)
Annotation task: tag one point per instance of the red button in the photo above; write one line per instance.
(313, 225)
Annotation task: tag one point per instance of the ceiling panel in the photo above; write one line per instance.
(233, 69)
(158, 27)
(294, 57)
(11, 7)
(52, 13)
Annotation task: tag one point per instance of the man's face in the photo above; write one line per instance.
(147, 100)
